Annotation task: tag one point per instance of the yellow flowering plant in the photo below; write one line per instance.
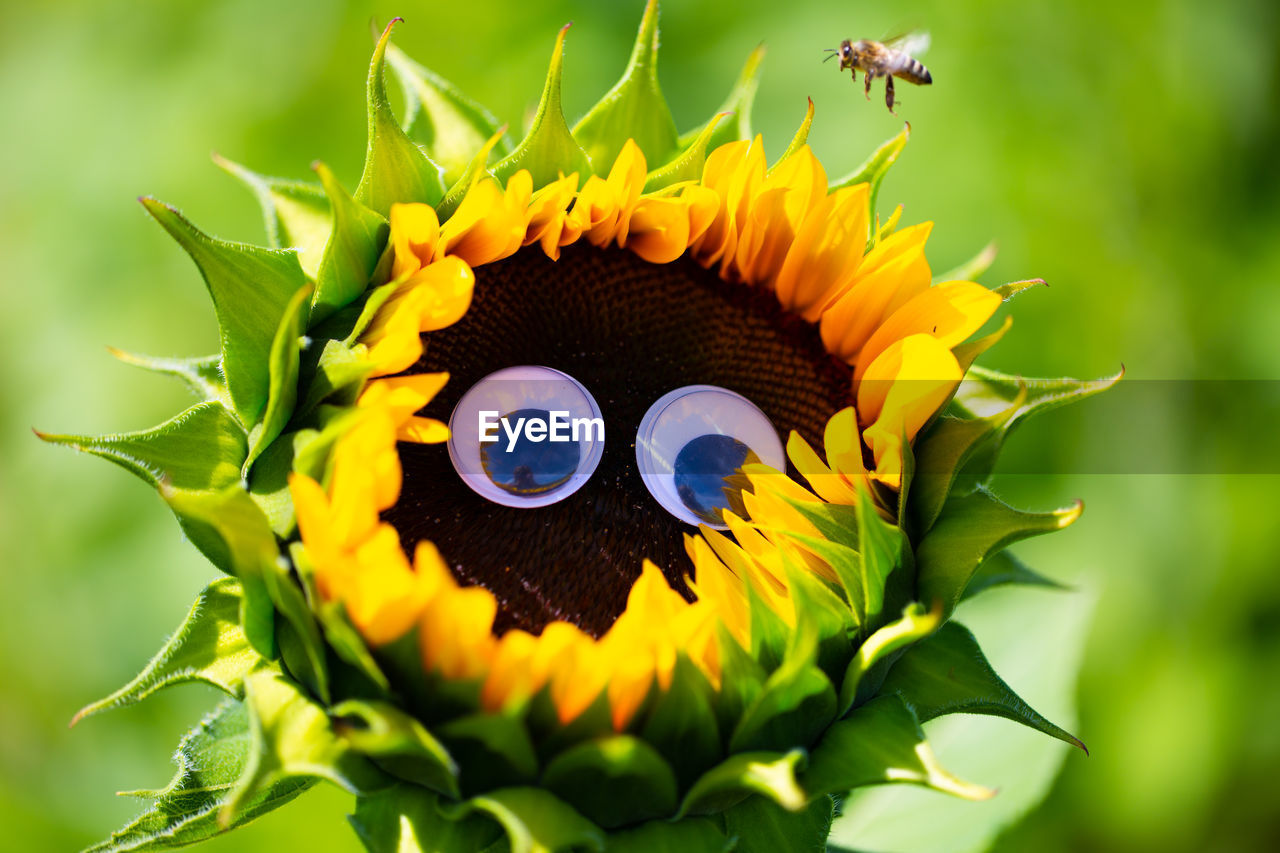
(596, 673)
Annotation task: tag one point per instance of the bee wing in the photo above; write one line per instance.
(911, 43)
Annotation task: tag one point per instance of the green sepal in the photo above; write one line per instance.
(877, 649)
(948, 674)
(298, 636)
(352, 252)
(198, 450)
(796, 704)
(847, 565)
(800, 139)
(825, 614)
(535, 820)
(633, 109)
(693, 835)
(876, 166)
(292, 737)
(476, 170)
(398, 743)
(230, 529)
(1011, 289)
(269, 479)
(1003, 569)
(209, 758)
(282, 372)
(337, 376)
(836, 522)
(970, 529)
(296, 214)
(613, 781)
(742, 679)
(209, 646)
(987, 393)
(395, 169)
(762, 826)
(681, 723)
(492, 751)
(769, 774)
(451, 126)
(407, 819)
(548, 149)
(251, 289)
(878, 743)
(967, 353)
(971, 269)
(737, 104)
(687, 165)
(942, 451)
(202, 374)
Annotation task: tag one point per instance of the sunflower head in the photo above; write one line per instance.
(704, 621)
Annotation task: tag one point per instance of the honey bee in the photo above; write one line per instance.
(888, 60)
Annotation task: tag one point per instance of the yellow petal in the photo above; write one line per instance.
(826, 253)
(415, 230)
(828, 484)
(949, 312)
(659, 229)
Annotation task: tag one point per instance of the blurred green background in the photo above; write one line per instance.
(1123, 151)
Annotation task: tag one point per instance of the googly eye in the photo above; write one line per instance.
(694, 438)
(526, 436)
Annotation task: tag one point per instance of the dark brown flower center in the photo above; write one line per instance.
(629, 331)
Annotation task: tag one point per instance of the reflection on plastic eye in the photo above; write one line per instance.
(526, 436)
(693, 440)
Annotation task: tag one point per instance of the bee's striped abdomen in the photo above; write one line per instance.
(911, 70)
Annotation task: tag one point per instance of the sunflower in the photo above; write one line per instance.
(711, 633)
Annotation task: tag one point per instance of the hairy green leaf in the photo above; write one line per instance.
(633, 109)
(355, 244)
(202, 374)
(251, 289)
(395, 168)
(296, 213)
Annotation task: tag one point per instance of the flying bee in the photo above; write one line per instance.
(888, 60)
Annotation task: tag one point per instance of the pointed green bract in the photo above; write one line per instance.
(681, 724)
(492, 750)
(209, 758)
(797, 703)
(296, 213)
(292, 738)
(548, 149)
(202, 448)
(1003, 569)
(770, 774)
(969, 530)
(688, 165)
(202, 374)
(801, 137)
(761, 826)
(878, 743)
(209, 646)
(737, 104)
(232, 532)
(915, 624)
(251, 289)
(535, 821)
(399, 743)
(948, 674)
(282, 371)
(984, 392)
(451, 125)
(352, 251)
(971, 269)
(633, 109)
(876, 166)
(395, 168)
(942, 451)
(613, 781)
(407, 819)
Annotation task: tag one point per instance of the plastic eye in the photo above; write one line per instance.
(693, 439)
(526, 436)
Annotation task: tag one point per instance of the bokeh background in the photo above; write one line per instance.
(1123, 151)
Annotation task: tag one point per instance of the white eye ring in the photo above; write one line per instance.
(491, 468)
(676, 423)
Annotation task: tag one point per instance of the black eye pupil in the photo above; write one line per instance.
(701, 468)
(529, 468)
